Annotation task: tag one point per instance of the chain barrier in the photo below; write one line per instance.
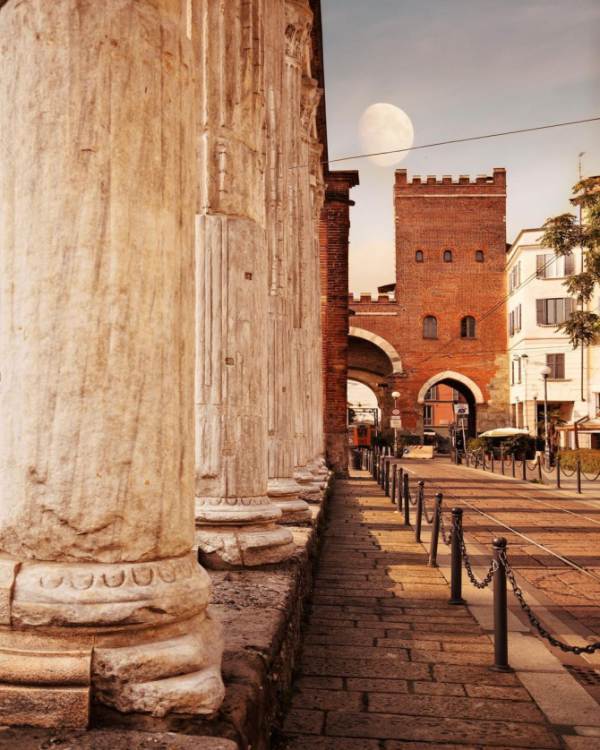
(488, 577)
(518, 592)
(446, 536)
(410, 499)
(428, 517)
(585, 476)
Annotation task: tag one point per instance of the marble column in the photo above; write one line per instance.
(101, 597)
(237, 524)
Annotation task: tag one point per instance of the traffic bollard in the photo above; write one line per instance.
(406, 500)
(419, 520)
(456, 558)
(500, 609)
(435, 531)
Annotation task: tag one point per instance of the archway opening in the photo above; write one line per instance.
(363, 404)
(444, 406)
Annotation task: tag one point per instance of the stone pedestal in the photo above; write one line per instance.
(236, 520)
(101, 597)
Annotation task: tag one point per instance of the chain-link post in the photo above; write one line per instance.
(502, 460)
(524, 468)
(493, 464)
(406, 494)
(456, 559)
(514, 471)
(500, 608)
(539, 466)
(419, 519)
(558, 471)
(398, 498)
(394, 480)
(578, 467)
(435, 531)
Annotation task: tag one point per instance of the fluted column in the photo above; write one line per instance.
(101, 597)
(236, 521)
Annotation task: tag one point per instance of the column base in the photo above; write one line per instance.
(133, 636)
(227, 547)
(285, 495)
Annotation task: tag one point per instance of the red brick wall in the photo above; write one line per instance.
(334, 232)
(463, 216)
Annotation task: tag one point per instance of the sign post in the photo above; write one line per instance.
(461, 413)
(396, 421)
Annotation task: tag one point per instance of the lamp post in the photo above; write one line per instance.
(395, 418)
(544, 372)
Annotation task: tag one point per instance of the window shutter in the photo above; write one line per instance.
(511, 323)
(560, 366)
(539, 311)
(569, 264)
(518, 317)
(540, 262)
(569, 306)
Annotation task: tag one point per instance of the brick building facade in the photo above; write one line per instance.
(446, 323)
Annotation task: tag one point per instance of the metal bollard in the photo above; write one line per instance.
(502, 460)
(493, 465)
(419, 520)
(558, 471)
(456, 559)
(539, 466)
(406, 501)
(579, 475)
(394, 479)
(500, 609)
(435, 531)
(514, 473)
(524, 468)
(398, 498)
(388, 470)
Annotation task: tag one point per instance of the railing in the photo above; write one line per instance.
(396, 484)
(538, 471)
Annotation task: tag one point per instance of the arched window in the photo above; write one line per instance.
(447, 256)
(430, 327)
(479, 256)
(419, 256)
(467, 327)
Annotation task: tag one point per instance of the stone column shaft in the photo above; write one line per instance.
(100, 594)
(236, 520)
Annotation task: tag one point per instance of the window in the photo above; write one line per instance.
(419, 256)
(553, 311)
(556, 363)
(551, 266)
(516, 372)
(479, 256)
(430, 327)
(597, 402)
(514, 277)
(447, 256)
(467, 327)
(428, 415)
(514, 321)
(432, 393)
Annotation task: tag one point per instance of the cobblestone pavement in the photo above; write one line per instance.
(539, 514)
(387, 664)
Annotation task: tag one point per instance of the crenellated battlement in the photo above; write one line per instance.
(496, 179)
(366, 298)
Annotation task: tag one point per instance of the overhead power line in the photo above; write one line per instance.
(464, 140)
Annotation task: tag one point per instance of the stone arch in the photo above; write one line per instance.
(451, 375)
(393, 356)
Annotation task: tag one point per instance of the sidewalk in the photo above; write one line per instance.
(387, 664)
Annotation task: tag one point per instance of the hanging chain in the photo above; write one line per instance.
(443, 530)
(518, 592)
(486, 580)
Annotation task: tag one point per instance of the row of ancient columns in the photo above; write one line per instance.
(160, 192)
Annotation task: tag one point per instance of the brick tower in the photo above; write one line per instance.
(447, 324)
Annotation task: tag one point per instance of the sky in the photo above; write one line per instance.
(460, 68)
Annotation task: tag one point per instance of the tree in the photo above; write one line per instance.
(563, 234)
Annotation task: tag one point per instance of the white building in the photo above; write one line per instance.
(538, 301)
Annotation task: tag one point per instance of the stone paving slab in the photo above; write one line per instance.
(390, 665)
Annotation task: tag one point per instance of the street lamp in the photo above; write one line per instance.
(545, 372)
(395, 396)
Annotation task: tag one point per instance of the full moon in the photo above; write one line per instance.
(384, 127)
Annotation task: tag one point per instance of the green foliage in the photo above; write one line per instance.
(589, 457)
(563, 234)
(519, 445)
(480, 444)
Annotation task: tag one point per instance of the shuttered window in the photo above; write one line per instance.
(553, 311)
(467, 327)
(551, 266)
(556, 363)
(430, 327)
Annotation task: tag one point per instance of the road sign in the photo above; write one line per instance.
(396, 422)
(461, 410)
(396, 412)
